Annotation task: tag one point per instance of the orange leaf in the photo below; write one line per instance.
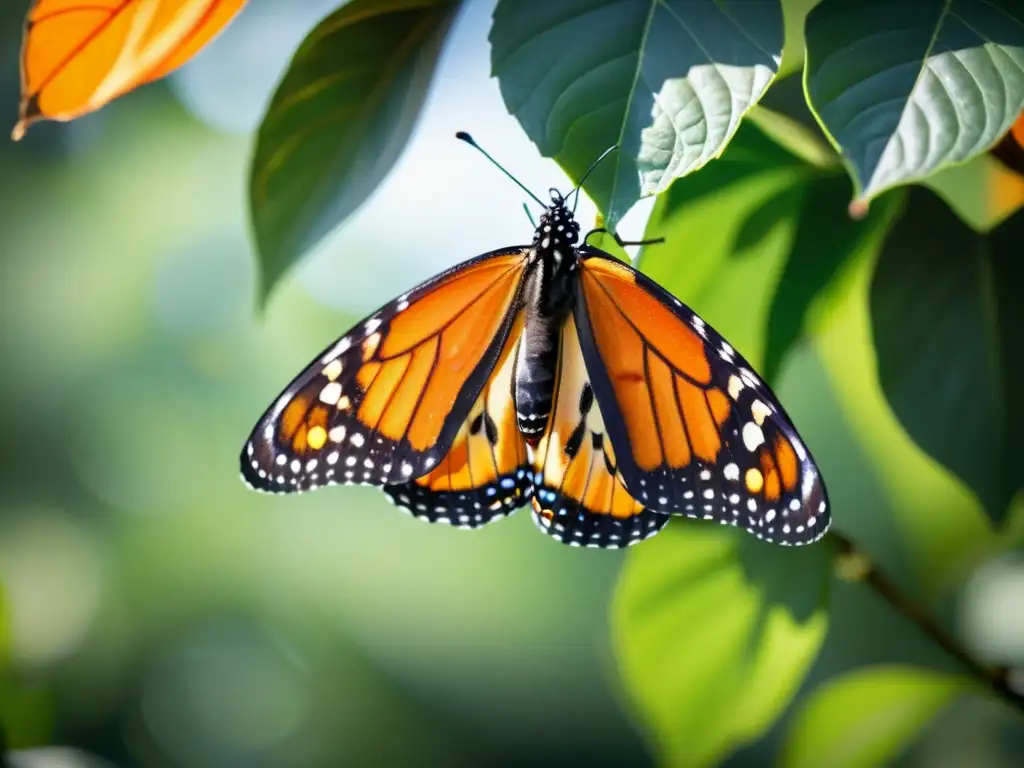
(79, 54)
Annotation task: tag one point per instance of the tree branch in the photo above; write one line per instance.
(859, 567)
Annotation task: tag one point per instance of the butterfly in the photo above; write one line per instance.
(550, 375)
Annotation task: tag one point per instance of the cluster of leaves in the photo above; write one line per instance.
(893, 92)
(849, 151)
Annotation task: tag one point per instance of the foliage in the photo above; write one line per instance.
(814, 231)
(765, 609)
(867, 718)
(339, 120)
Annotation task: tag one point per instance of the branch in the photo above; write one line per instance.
(858, 567)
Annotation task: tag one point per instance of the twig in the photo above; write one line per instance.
(859, 567)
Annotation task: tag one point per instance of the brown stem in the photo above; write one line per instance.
(997, 678)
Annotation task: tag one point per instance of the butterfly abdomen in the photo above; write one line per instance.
(534, 387)
(547, 305)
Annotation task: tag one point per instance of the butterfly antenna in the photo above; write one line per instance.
(529, 215)
(590, 170)
(463, 136)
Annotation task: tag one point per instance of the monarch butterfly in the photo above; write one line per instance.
(551, 374)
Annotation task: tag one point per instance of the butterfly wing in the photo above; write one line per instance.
(485, 475)
(383, 404)
(697, 431)
(580, 498)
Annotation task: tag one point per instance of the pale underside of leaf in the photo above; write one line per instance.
(907, 88)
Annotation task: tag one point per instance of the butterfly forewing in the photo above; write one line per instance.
(384, 403)
(485, 475)
(580, 498)
(697, 432)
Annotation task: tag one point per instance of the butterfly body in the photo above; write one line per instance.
(553, 375)
(548, 298)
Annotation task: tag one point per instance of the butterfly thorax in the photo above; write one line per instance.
(548, 297)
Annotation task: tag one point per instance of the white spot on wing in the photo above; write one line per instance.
(735, 386)
(752, 436)
(330, 393)
(760, 412)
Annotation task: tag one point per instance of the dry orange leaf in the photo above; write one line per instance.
(79, 54)
(1017, 130)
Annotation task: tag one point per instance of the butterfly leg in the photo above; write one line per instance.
(623, 243)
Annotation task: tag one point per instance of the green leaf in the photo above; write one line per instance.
(666, 80)
(809, 197)
(947, 320)
(797, 138)
(753, 153)
(339, 120)
(741, 211)
(867, 718)
(826, 238)
(5, 633)
(905, 88)
(714, 631)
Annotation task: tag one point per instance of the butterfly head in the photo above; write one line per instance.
(558, 231)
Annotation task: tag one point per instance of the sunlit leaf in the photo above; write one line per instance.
(666, 80)
(714, 632)
(339, 120)
(705, 219)
(5, 633)
(826, 237)
(806, 193)
(947, 320)
(79, 54)
(908, 87)
(867, 718)
(797, 138)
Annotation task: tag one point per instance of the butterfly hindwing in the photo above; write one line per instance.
(698, 433)
(485, 475)
(383, 404)
(580, 498)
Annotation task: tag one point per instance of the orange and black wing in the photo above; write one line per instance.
(580, 498)
(696, 431)
(384, 403)
(486, 474)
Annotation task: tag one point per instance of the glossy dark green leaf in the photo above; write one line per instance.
(908, 87)
(947, 320)
(714, 631)
(339, 120)
(666, 80)
(867, 718)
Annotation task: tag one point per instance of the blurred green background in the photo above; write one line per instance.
(163, 615)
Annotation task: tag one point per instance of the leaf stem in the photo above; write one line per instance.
(858, 567)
